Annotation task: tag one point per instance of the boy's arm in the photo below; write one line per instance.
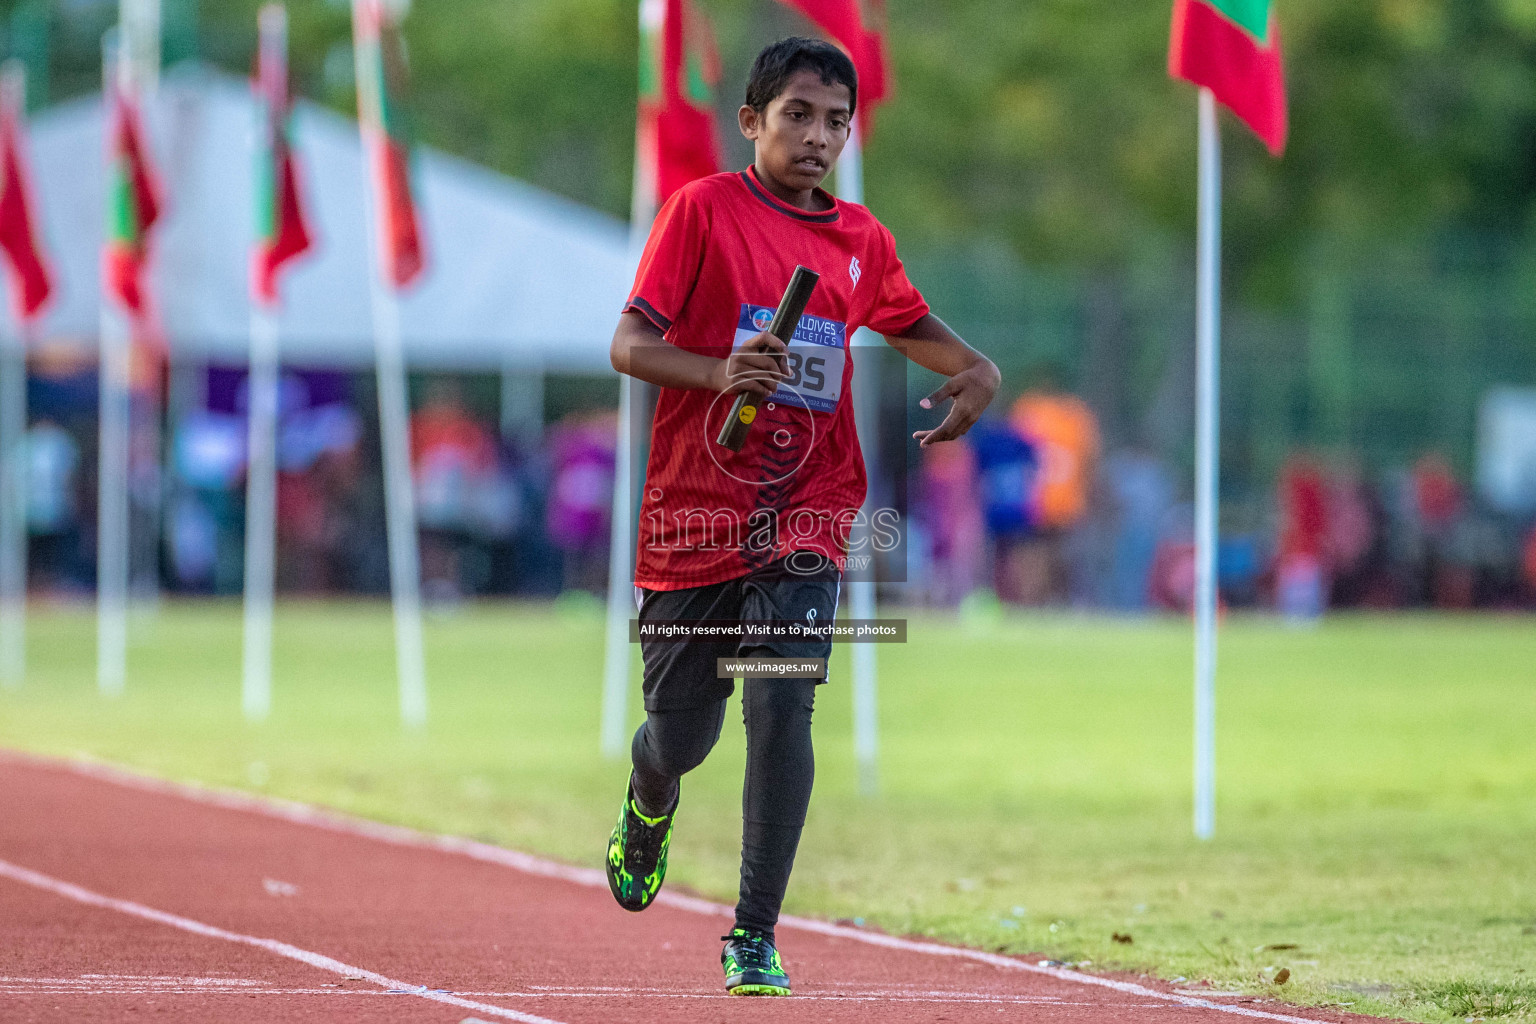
(640, 351)
(973, 378)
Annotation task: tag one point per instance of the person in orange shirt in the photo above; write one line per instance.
(1065, 434)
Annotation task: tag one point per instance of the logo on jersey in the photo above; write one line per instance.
(855, 271)
(761, 318)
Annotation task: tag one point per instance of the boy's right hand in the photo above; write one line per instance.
(756, 367)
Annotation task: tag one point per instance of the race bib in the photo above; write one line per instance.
(816, 354)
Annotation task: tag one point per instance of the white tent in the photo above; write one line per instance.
(517, 277)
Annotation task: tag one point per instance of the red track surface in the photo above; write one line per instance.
(122, 898)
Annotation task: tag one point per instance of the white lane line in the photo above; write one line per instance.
(801, 995)
(74, 892)
(133, 979)
(725, 997)
(399, 835)
(810, 993)
(146, 982)
(128, 990)
(1009, 963)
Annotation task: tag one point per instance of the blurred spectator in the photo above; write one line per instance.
(1019, 504)
(1241, 564)
(1444, 576)
(581, 496)
(1006, 466)
(52, 462)
(951, 522)
(1172, 583)
(1301, 562)
(1140, 492)
(206, 526)
(463, 498)
(305, 436)
(350, 488)
(194, 544)
(1357, 542)
(321, 535)
(450, 451)
(1436, 494)
(1065, 435)
(1528, 565)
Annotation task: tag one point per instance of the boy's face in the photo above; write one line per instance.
(800, 134)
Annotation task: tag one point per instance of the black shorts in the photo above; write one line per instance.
(682, 675)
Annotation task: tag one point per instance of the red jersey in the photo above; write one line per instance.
(714, 268)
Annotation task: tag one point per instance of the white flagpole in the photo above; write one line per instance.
(140, 20)
(400, 505)
(261, 464)
(613, 735)
(1207, 451)
(112, 464)
(13, 508)
(260, 516)
(394, 431)
(139, 51)
(861, 588)
(112, 505)
(13, 461)
(621, 603)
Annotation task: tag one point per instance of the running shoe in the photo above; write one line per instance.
(637, 854)
(752, 966)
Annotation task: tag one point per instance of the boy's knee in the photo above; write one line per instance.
(778, 702)
(671, 750)
(679, 759)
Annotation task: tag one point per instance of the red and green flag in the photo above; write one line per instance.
(1232, 47)
(281, 231)
(31, 281)
(381, 82)
(133, 205)
(858, 26)
(679, 71)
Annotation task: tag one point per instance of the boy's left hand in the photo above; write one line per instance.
(972, 390)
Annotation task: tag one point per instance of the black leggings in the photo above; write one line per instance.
(781, 767)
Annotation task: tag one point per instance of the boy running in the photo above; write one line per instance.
(760, 534)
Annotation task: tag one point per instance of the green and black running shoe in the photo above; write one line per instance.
(637, 855)
(752, 966)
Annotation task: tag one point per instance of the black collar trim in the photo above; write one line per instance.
(750, 180)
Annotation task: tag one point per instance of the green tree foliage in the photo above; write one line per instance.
(1055, 123)
(1051, 126)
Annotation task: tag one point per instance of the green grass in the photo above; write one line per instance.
(1377, 803)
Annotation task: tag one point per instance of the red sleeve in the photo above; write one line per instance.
(898, 305)
(669, 267)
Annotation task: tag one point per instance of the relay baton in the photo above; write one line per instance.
(733, 433)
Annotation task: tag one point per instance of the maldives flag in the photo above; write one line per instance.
(133, 206)
(679, 70)
(31, 283)
(381, 81)
(1232, 47)
(281, 233)
(859, 27)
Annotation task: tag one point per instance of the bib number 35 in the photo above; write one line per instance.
(805, 370)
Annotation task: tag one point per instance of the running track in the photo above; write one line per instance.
(125, 898)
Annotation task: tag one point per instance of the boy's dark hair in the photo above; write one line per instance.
(779, 61)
